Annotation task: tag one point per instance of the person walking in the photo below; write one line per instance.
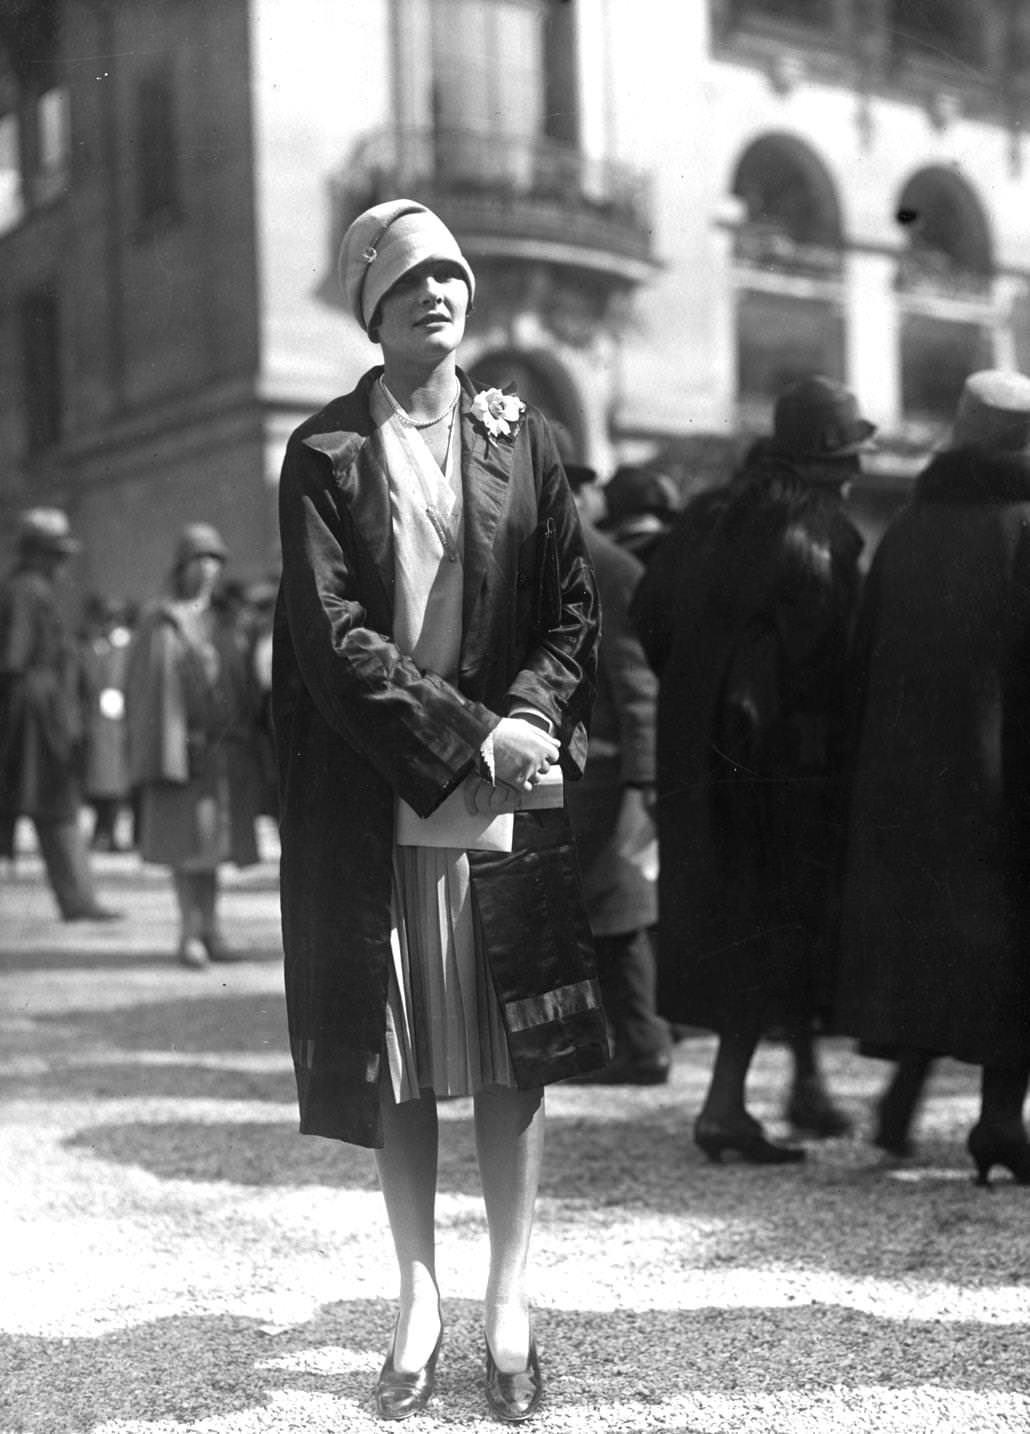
(751, 732)
(191, 713)
(936, 911)
(41, 716)
(435, 647)
(612, 812)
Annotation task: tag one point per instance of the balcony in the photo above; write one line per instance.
(509, 198)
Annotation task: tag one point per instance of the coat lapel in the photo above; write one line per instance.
(360, 475)
(485, 477)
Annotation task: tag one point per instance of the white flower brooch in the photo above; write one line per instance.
(497, 412)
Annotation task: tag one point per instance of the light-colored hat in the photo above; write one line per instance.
(993, 412)
(199, 540)
(46, 530)
(384, 243)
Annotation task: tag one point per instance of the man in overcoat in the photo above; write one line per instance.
(41, 717)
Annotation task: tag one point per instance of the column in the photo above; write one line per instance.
(873, 336)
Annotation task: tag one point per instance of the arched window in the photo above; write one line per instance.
(944, 287)
(788, 263)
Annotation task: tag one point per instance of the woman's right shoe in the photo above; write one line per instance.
(514, 1398)
(746, 1138)
(997, 1147)
(399, 1395)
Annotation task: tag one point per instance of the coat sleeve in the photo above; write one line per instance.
(418, 731)
(559, 674)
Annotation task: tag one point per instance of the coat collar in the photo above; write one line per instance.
(354, 449)
(969, 475)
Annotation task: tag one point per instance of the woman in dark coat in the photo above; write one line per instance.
(935, 921)
(437, 624)
(751, 720)
(191, 706)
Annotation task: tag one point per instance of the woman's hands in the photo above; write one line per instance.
(522, 752)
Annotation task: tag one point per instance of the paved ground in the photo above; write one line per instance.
(175, 1257)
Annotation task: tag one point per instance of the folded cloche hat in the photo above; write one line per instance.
(818, 418)
(632, 490)
(199, 540)
(47, 530)
(993, 412)
(383, 243)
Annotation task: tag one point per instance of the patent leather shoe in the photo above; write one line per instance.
(514, 1398)
(399, 1395)
(743, 1137)
(998, 1147)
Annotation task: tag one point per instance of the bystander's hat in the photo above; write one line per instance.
(46, 530)
(993, 412)
(385, 242)
(199, 540)
(817, 419)
(632, 490)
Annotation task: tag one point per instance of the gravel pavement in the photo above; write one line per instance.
(175, 1257)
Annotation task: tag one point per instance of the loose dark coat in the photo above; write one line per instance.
(192, 741)
(358, 724)
(41, 718)
(935, 929)
(752, 697)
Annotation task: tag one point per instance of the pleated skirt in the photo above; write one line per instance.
(444, 1031)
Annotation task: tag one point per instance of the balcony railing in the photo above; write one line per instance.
(501, 190)
(769, 246)
(933, 274)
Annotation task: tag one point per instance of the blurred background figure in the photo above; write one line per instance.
(611, 811)
(191, 711)
(41, 718)
(104, 654)
(936, 915)
(640, 505)
(751, 742)
(261, 598)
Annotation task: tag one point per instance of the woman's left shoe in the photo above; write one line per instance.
(399, 1395)
(998, 1147)
(513, 1398)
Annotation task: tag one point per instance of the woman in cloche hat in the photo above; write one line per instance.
(191, 706)
(434, 661)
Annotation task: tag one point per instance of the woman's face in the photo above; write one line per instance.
(422, 318)
(199, 576)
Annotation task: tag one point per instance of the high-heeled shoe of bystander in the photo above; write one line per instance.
(989, 1147)
(514, 1398)
(399, 1394)
(744, 1137)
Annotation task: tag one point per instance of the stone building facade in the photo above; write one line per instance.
(672, 210)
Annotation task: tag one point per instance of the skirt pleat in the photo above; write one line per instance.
(444, 1030)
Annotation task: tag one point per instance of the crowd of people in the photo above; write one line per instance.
(568, 770)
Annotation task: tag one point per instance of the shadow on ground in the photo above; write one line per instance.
(192, 1368)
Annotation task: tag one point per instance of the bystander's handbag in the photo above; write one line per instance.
(478, 815)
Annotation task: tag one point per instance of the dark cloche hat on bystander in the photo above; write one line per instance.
(46, 530)
(817, 419)
(993, 412)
